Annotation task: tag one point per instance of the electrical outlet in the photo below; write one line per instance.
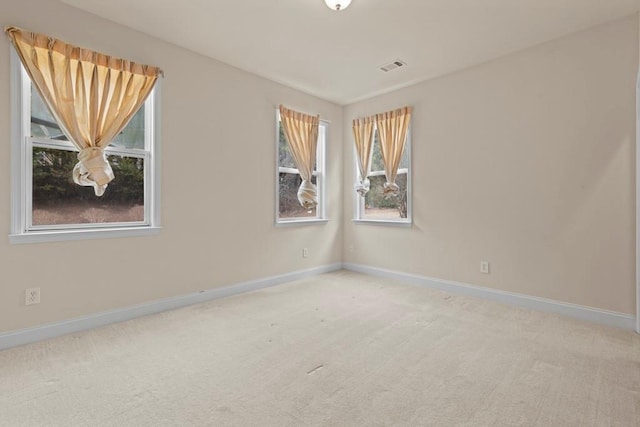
(305, 252)
(32, 296)
(484, 267)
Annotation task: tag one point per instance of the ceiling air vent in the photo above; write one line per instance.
(393, 65)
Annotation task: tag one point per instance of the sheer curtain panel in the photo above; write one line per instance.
(91, 95)
(392, 131)
(301, 132)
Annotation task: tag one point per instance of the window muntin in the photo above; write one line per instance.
(288, 208)
(375, 206)
(48, 205)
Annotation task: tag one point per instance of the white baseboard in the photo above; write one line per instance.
(30, 335)
(589, 314)
(52, 330)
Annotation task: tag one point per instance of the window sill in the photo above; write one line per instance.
(384, 222)
(68, 235)
(301, 222)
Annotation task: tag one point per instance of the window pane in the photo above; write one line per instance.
(132, 136)
(379, 206)
(285, 159)
(288, 202)
(404, 162)
(59, 200)
(376, 158)
(42, 122)
(43, 125)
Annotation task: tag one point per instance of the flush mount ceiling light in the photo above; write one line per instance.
(337, 4)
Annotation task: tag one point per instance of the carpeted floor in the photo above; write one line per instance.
(341, 349)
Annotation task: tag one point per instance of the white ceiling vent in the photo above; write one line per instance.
(393, 65)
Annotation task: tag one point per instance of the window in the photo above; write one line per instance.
(288, 208)
(375, 206)
(48, 205)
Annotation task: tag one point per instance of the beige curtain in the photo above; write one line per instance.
(301, 131)
(91, 95)
(363, 137)
(392, 131)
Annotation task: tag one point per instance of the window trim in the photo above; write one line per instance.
(21, 171)
(320, 173)
(358, 201)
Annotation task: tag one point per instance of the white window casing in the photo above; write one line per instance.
(359, 201)
(22, 145)
(319, 173)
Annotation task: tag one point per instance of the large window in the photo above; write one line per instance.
(376, 206)
(49, 205)
(288, 208)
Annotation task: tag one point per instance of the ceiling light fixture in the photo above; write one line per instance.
(337, 4)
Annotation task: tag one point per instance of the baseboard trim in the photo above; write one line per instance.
(590, 314)
(52, 330)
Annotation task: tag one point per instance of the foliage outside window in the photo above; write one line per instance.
(288, 208)
(51, 203)
(376, 206)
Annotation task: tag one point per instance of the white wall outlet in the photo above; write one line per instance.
(484, 267)
(32, 296)
(305, 252)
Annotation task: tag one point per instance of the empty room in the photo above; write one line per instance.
(319, 213)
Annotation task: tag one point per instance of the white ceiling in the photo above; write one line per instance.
(336, 55)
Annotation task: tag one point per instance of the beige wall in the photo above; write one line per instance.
(527, 162)
(217, 145)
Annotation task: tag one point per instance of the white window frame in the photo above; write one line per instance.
(22, 144)
(319, 173)
(358, 201)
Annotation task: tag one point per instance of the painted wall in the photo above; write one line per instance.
(218, 127)
(526, 162)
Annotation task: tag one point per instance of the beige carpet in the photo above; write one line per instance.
(342, 349)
